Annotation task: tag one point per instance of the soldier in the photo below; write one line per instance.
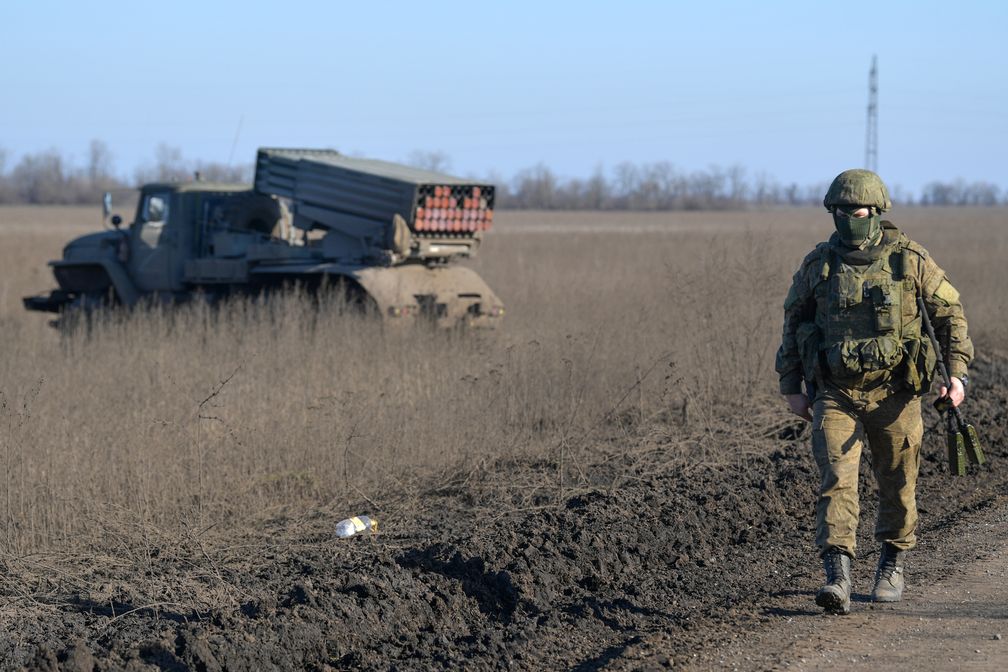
(852, 332)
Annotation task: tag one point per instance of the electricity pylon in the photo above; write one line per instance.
(871, 130)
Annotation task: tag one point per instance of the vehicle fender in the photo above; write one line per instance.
(124, 287)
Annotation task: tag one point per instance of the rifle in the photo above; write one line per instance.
(961, 437)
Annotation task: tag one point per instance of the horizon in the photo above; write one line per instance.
(771, 89)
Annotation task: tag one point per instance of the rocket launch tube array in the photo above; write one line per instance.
(433, 204)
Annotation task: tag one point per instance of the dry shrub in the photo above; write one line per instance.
(645, 332)
(207, 414)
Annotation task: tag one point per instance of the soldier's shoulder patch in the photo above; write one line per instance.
(946, 293)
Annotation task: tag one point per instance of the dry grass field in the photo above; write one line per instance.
(632, 330)
(611, 317)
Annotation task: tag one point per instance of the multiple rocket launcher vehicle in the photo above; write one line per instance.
(384, 234)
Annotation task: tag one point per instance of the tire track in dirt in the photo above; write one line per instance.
(954, 616)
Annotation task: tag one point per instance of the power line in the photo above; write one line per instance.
(871, 129)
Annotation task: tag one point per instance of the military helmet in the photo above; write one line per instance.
(858, 187)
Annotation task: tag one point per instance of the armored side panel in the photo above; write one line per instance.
(332, 191)
(445, 296)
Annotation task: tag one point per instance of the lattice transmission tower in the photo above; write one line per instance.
(871, 129)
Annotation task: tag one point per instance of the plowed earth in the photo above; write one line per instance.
(658, 563)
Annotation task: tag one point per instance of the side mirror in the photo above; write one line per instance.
(116, 221)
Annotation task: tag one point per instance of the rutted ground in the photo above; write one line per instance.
(954, 615)
(657, 563)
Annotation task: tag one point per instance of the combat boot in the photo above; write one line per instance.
(834, 597)
(889, 576)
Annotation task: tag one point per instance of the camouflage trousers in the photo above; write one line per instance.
(892, 425)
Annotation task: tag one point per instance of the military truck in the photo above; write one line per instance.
(385, 235)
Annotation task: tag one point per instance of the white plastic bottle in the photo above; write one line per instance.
(351, 526)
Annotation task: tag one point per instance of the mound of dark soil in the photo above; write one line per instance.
(683, 549)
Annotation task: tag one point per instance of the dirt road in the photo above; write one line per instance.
(954, 616)
(958, 622)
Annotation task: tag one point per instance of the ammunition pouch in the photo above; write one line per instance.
(919, 365)
(853, 358)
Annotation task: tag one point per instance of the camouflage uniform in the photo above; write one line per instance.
(852, 330)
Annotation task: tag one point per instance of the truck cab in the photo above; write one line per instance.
(180, 229)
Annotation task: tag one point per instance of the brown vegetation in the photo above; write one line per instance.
(154, 442)
(212, 417)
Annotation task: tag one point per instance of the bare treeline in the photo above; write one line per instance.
(660, 186)
(652, 186)
(963, 193)
(51, 178)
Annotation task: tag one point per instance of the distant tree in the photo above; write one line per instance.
(982, 193)
(814, 193)
(900, 195)
(219, 172)
(791, 194)
(99, 171)
(939, 193)
(738, 189)
(99, 168)
(535, 187)
(438, 162)
(596, 192)
(961, 193)
(168, 166)
(705, 189)
(569, 195)
(41, 178)
(627, 178)
(6, 188)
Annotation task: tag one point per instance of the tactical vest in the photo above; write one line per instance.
(867, 328)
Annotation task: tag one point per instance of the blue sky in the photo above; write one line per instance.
(777, 87)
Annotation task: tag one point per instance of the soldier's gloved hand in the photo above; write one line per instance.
(958, 392)
(798, 403)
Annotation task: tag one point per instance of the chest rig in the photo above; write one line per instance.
(867, 329)
(861, 317)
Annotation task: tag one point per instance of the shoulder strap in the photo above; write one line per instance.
(824, 265)
(898, 262)
(902, 260)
